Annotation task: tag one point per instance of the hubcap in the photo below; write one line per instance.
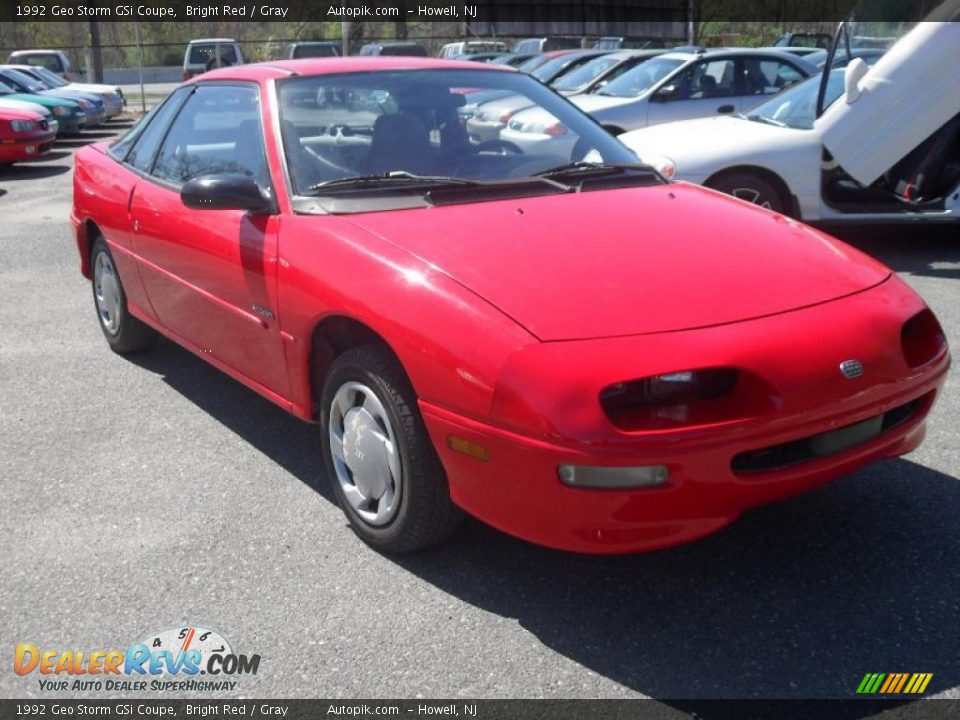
(752, 195)
(106, 292)
(365, 455)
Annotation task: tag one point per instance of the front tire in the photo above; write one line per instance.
(752, 188)
(124, 332)
(384, 470)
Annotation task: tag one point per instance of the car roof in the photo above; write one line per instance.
(333, 65)
(728, 52)
(213, 40)
(17, 53)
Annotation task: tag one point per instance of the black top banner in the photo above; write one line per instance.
(478, 13)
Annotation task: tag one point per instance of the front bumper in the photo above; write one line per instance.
(517, 489)
(28, 147)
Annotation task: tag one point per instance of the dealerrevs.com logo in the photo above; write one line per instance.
(168, 660)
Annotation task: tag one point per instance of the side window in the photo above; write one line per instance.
(766, 76)
(118, 150)
(148, 140)
(705, 80)
(218, 131)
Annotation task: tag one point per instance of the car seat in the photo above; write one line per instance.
(400, 142)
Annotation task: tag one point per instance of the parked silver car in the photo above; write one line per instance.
(684, 85)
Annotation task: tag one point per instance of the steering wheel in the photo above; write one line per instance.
(495, 144)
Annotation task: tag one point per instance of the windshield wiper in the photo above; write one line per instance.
(764, 119)
(389, 179)
(581, 167)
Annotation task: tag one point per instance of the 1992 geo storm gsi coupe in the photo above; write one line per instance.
(569, 348)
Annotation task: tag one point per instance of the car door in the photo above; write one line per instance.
(210, 274)
(911, 92)
(704, 89)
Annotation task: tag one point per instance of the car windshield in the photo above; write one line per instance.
(586, 73)
(357, 126)
(6, 89)
(51, 79)
(533, 63)
(641, 78)
(552, 67)
(36, 76)
(796, 106)
(24, 81)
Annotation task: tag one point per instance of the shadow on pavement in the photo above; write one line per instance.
(29, 171)
(799, 599)
(931, 251)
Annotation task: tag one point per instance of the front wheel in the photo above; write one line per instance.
(385, 473)
(752, 188)
(124, 332)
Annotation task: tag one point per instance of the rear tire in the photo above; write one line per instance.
(751, 188)
(381, 462)
(124, 332)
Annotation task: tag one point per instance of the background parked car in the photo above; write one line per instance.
(628, 43)
(470, 47)
(24, 135)
(682, 85)
(409, 49)
(312, 49)
(544, 44)
(802, 39)
(773, 156)
(55, 61)
(69, 114)
(492, 116)
(111, 95)
(216, 52)
(27, 106)
(600, 70)
(91, 103)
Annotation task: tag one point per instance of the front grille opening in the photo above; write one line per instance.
(824, 444)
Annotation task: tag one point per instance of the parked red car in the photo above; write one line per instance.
(579, 353)
(24, 135)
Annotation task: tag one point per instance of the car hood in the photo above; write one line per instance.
(695, 144)
(632, 261)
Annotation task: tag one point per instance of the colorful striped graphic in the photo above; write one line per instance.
(894, 683)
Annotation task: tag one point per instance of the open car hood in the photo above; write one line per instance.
(912, 91)
(620, 262)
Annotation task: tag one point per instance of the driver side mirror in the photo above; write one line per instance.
(665, 93)
(227, 192)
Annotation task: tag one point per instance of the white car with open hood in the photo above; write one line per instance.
(884, 146)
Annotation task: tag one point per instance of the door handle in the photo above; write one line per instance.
(136, 225)
(725, 109)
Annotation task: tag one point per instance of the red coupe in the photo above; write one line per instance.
(570, 348)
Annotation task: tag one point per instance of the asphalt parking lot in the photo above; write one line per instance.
(150, 492)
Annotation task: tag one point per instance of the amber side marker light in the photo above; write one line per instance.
(478, 452)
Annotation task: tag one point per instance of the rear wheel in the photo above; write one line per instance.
(385, 473)
(124, 332)
(752, 188)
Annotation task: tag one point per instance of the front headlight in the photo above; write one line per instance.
(23, 125)
(553, 128)
(83, 104)
(61, 110)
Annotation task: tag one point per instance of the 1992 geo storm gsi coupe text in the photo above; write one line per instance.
(579, 353)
